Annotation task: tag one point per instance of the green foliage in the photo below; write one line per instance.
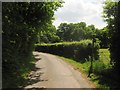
(75, 31)
(77, 50)
(20, 23)
(16, 73)
(111, 14)
(102, 76)
(105, 56)
(48, 35)
(79, 31)
(104, 37)
(98, 67)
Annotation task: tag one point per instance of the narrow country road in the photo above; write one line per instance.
(52, 72)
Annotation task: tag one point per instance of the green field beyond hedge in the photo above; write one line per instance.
(80, 51)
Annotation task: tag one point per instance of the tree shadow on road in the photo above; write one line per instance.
(34, 77)
(35, 74)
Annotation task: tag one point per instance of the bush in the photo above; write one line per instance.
(76, 50)
(98, 67)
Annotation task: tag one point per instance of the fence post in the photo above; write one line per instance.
(92, 57)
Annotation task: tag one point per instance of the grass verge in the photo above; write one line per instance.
(101, 69)
(82, 67)
(18, 78)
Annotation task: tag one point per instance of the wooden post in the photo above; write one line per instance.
(92, 57)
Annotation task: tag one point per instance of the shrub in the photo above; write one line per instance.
(98, 67)
(76, 50)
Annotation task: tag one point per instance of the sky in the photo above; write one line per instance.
(74, 11)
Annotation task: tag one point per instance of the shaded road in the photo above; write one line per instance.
(53, 72)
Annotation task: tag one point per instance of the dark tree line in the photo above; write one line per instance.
(74, 32)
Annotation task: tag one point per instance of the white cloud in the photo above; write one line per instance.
(74, 11)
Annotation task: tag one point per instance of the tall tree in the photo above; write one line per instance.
(62, 31)
(72, 31)
(103, 36)
(21, 22)
(111, 14)
(48, 35)
(89, 31)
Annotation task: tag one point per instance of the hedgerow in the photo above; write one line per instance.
(80, 51)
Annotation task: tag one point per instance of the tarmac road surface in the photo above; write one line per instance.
(52, 72)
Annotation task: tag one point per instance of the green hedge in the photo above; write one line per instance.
(77, 50)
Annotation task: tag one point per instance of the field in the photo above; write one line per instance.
(104, 55)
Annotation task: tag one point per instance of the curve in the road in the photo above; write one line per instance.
(53, 72)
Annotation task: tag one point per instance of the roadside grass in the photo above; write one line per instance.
(25, 70)
(18, 78)
(101, 75)
(82, 67)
